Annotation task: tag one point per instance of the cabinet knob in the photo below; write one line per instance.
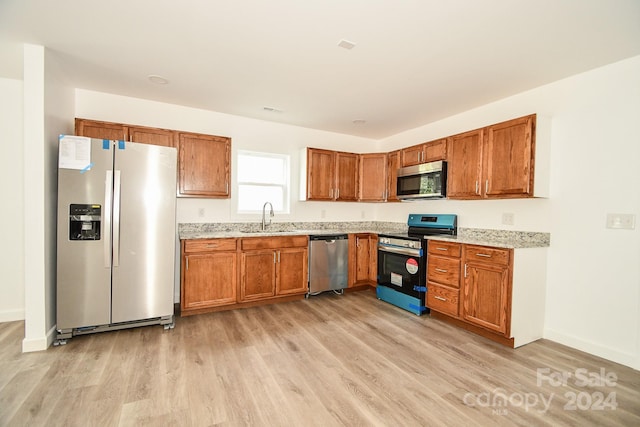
(483, 255)
(438, 297)
(440, 270)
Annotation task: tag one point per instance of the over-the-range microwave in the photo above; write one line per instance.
(424, 181)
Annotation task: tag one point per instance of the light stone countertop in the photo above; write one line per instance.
(484, 237)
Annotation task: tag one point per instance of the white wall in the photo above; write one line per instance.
(48, 110)
(11, 215)
(593, 286)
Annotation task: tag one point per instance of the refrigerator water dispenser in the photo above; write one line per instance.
(84, 222)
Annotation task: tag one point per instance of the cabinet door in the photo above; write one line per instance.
(204, 165)
(465, 165)
(509, 158)
(486, 296)
(153, 136)
(435, 150)
(373, 177)
(359, 259)
(209, 280)
(412, 155)
(258, 274)
(292, 271)
(373, 259)
(346, 176)
(100, 130)
(320, 174)
(393, 163)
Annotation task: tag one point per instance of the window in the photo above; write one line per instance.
(263, 177)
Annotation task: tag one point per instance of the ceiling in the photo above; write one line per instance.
(414, 61)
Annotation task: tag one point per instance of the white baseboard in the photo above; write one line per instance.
(627, 359)
(11, 315)
(40, 343)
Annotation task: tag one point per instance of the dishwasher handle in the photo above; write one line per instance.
(329, 238)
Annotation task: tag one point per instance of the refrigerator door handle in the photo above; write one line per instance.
(116, 219)
(108, 189)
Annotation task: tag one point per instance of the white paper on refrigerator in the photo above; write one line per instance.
(74, 152)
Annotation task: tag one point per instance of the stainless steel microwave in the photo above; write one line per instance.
(424, 181)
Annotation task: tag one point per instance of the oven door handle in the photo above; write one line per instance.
(401, 251)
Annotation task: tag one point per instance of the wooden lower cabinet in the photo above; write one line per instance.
(258, 269)
(495, 292)
(273, 267)
(209, 273)
(363, 259)
(227, 273)
(443, 277)
(486, 301)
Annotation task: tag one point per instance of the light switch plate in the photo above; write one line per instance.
(621, 221)
(508, 218)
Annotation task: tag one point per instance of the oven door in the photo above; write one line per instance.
(402, 269)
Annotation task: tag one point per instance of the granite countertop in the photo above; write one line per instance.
(475, 236)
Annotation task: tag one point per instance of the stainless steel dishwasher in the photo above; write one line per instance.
(328, 263)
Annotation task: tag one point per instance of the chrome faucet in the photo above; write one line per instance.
(264, 222)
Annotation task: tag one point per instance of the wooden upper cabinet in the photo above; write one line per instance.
(122, 132)
(464, 172)
(100, 130)
(426, 152)
(204, 165)
(153, 136)
(331, 175)
(204, 161)
(509, 158)
(493, 162)
(373, 177)
(412, 155)
(346, 176)
(320, 174)
(393, 164)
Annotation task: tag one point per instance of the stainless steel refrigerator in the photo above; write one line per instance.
(116, 235)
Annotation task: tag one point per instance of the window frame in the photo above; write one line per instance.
(286, 185)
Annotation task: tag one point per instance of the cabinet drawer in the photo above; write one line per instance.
(442, 299)
(486, 254)
(208, 245)
(443, 270)
(274, 242)
(444, 248)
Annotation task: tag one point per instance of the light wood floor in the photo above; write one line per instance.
(328, 361)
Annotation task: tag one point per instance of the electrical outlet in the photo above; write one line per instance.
(621, 221)
(323, 213)
(201, 212)
(362, 214)
(508, 218)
